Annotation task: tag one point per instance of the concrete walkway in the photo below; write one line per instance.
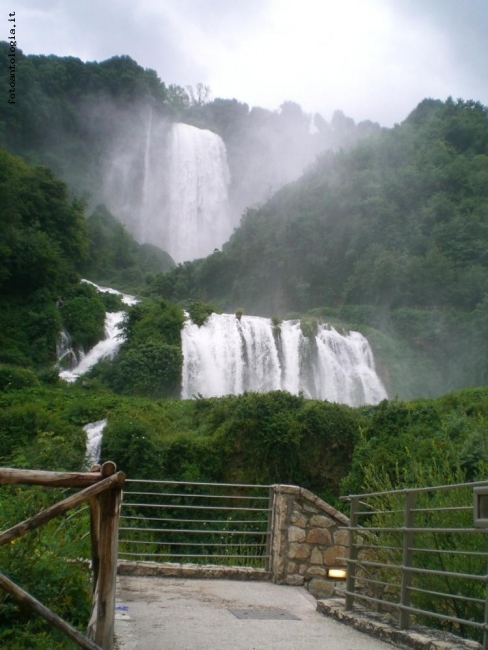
(178, 614)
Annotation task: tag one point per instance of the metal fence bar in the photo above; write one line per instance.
(441, 551)
(438, 488)
(170, 506)
(387, 529)
(198, 555)
(353, 551)
(213, 544)
(443, 594)
(446, 617)
(431, 572)
(243, 501)
(198, 531)
(199, 496)
(445, 509)
(407, 560)
(197, 521)
(400, 567)
(201, 484)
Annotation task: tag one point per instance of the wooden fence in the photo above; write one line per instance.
(102, 489)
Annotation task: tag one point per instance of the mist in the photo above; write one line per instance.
(183, 183)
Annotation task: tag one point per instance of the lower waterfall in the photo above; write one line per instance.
(229, 356)
(94, 434)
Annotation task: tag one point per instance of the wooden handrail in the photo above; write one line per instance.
(61, 507)
(104, 494)
(9, 476)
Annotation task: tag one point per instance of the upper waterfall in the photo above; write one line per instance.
(169, 184)
(198, 178)
(230, 356)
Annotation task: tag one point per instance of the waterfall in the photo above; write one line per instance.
(168, 183)
(198, 178)
(230, 356)
(107, 347)
(65, 354)
(94, 434)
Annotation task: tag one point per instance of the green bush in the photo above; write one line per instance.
(83, 315)
(151, 369)
(309, 327)
(156, 319)
(15, 378)
(129, 442)
(200, 311)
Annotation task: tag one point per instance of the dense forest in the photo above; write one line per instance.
(385, 232)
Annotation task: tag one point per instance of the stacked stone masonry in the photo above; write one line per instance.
(308, 538)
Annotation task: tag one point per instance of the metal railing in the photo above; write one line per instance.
(184, 521)
(417, 552)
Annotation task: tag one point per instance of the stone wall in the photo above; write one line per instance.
(306, 540)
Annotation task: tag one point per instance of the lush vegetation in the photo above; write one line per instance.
(253, 438)
(115, 258)
(47, 562)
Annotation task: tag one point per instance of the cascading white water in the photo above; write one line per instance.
(229, 356)
(107, 347)
(198, 178)
(65, 354)
(94, 435)
(168, 183)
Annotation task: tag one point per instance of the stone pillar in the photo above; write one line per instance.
(306, 540)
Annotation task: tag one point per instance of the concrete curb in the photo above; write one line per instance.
(383, 628)
(200, 571)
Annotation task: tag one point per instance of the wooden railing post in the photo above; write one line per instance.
(103, 490)
(95, 539)
(109, 514)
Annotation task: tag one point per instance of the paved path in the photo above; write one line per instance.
(179, 614)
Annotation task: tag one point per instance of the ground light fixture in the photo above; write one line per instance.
(480, 507)
(336, 573)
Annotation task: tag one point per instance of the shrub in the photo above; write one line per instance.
(15, 378)
(200, 311)
(309, 327)
(151, 369)
(83, 315)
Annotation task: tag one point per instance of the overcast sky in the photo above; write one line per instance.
(373, 59)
